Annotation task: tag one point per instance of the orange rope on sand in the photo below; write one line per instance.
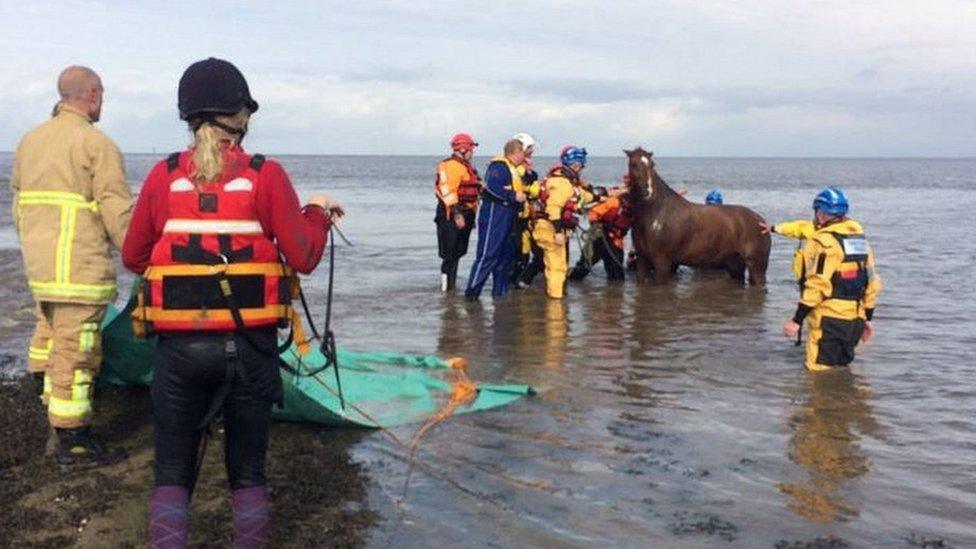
(463, 391)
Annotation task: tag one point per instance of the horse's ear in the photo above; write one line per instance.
(628, 153)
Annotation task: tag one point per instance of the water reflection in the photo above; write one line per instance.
(603, 311)
(826, 429)
(534, 330)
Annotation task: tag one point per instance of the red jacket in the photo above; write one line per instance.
(300, 233)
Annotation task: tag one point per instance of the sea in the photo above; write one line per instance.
(666, 416)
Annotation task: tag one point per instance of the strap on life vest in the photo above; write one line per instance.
(173, 162)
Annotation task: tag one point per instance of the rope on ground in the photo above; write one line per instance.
(463, 391)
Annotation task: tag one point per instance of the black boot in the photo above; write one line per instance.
(79, 447)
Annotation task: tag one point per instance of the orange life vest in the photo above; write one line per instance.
(214, 261)
(470, 189)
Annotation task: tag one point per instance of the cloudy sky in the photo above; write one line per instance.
(716, 78)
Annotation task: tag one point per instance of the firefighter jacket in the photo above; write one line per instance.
(70, 203)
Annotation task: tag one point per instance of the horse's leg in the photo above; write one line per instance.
(736, 269)
(643, 270)
(757, 263)
(674, 268)
(757, 272)
(662, 270)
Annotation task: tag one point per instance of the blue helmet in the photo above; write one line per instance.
(714, 197)
(832, 201)
(571, 154)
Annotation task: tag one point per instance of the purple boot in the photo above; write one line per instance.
(169, 517)
(251, 517)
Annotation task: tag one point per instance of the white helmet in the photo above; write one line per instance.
(525, 139)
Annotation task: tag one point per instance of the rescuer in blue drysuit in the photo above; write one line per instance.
(501, 199)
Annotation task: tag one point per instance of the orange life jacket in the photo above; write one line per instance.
(469, 189)
(213, 258)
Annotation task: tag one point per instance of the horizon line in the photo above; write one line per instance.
(679, 156)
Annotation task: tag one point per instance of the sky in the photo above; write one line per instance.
(705, 78)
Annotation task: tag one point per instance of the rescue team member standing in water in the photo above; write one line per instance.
(521, 236)
(840, 285)
(561, 199)
(609, 223)
(457, 188)
(501, 199)
(207, 232)
(70, 203)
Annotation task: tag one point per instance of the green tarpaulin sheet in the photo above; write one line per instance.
(381, 389)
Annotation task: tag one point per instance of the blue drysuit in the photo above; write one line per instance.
(495, 219)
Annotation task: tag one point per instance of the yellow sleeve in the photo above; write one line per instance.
(587, 196)
(874, 283)
(821, 263)
(109, 188)
(560, 191)
(801, 228)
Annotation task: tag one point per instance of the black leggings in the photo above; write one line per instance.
(452, 243)
(189, 372)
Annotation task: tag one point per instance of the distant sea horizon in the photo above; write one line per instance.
(692, 156)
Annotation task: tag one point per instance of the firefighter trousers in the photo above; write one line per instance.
(67, 348)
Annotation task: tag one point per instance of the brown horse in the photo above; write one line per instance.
(670, 231)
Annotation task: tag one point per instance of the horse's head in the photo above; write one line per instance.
(640, 171)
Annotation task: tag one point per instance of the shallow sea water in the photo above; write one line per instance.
(666, 416)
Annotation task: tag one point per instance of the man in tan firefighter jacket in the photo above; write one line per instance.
(840, 285)
(71, 203)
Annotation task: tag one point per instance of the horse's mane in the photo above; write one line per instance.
(660, 186)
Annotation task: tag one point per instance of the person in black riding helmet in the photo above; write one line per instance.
(216, 235)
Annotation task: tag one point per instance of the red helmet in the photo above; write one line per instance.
(463, 142)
